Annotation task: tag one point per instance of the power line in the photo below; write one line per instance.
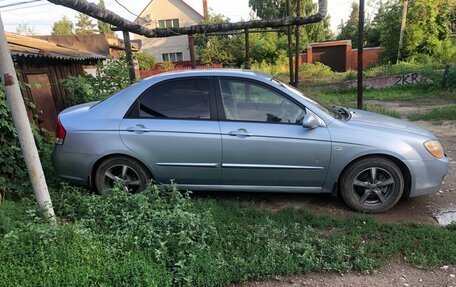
(128, 10)
(19, 3)
(21, 8)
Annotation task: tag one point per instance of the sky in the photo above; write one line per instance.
(44, 14)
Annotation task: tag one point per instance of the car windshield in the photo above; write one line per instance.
(314, 102)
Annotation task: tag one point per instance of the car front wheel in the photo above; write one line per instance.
(372, 185)
(129, 172)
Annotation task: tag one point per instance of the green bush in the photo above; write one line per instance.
(111, 77)
(158, 222)
(314, 71)
(145, 60)
(449, 82)
(14, 181)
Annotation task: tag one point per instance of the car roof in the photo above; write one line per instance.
(212, 72)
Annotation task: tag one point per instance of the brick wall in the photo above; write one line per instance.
(339, 55)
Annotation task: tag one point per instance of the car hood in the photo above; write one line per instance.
(372, 120)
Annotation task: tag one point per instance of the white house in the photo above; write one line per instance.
(168, 13)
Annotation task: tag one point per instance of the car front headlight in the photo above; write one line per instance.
(435, 148)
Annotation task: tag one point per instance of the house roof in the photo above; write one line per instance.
(98, 44)
(185, 3)
(22, 46)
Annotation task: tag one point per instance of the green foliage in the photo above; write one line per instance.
(163, 238)
(437, 114)
(349, 29)
(273, 9)
(316, 70)
(269, 48)
(225, 50)
(84, 25)
(427, 32)
(145, 60)
(63, 27)
(103, 27)
(14, 181)
(111, 77)
(449, 79)
(279, 69)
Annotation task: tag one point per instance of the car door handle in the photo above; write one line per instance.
(240, 133)
(138, 129)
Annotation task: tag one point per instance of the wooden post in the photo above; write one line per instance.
(247, 50)
(129, 54)
(191, 48)
(290, 42)
(22, 125)
(296, 71)
(360, 55)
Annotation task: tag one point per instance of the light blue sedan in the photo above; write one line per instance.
(234, 130)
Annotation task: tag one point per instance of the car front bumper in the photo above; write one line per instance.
(427, 175)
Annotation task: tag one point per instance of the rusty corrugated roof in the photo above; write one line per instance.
(23, 46)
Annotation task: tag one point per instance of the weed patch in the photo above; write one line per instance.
(436, 115)
(161, 237)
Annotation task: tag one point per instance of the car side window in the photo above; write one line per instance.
(184, 99)
(247, 101)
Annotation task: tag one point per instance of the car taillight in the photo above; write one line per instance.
(60, 132)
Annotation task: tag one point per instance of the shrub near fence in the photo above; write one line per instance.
(159, 70)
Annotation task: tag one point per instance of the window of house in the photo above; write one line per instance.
(172, 57)
(185, 99)
(168, 23)
(247, 101)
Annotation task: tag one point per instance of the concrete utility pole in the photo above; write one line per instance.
(24, 131)
(360, 54)
(401, 35)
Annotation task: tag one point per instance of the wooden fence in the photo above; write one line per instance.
(154, 71)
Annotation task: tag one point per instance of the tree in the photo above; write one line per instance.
(225, 50)
(145, 60)
(25, 29)
(349, 29)
(84, 25)
(104, 28)
(270, 9)
(428, 30)
(63, 27)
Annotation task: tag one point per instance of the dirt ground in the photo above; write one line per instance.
(394, 273)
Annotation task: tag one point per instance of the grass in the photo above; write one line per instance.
(163, 238)
(319, 73)
(419, 93)
(436, 115)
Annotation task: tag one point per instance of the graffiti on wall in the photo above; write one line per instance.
(408, 79)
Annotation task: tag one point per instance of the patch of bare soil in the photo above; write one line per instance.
(394, 273)
(406, 108)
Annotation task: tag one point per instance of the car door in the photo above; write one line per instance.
(264, 142)
(172, 127)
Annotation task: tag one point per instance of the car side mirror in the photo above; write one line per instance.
(310, 121)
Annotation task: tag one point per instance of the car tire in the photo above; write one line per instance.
(132, 173)
(372, 185)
